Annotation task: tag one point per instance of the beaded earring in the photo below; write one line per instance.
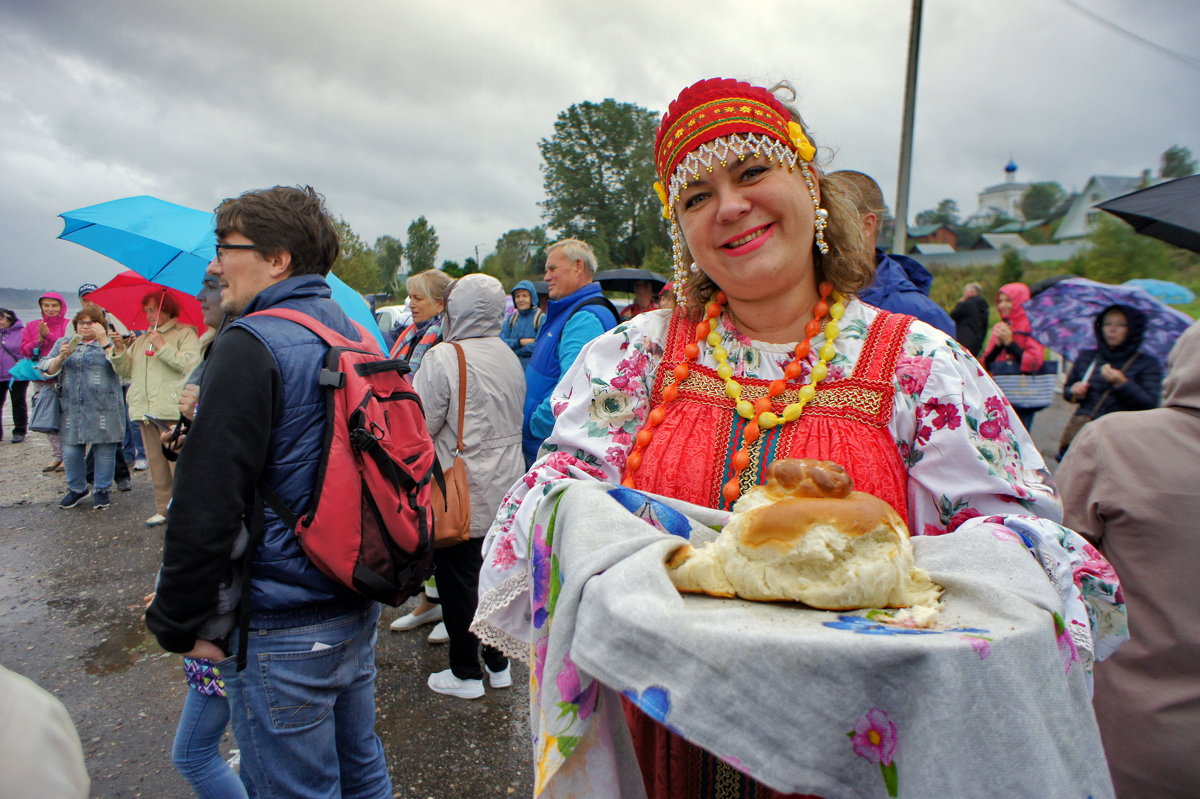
(820, 215)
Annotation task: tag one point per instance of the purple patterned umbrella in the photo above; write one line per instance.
(1063, 314)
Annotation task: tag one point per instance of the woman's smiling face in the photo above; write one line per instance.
(749, 226)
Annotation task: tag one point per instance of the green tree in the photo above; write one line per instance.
(470, 265)
(946, 213)
(598, 171)
(1012, 268)
(1041, 199)
(1177, 162)
(422, 245)
(389, 254)
(356, 263)
(520, 254)
(1117, 254)
(452, 268)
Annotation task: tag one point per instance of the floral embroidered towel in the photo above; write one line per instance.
(993, 701)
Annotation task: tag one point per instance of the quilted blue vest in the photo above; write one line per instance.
(282, 577)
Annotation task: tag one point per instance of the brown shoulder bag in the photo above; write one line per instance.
(451, 494)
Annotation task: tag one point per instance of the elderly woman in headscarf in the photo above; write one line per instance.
(666, 420)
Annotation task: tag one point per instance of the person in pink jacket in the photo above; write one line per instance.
(37, 341)
(1012, 340)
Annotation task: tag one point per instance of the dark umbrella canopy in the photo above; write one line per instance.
(1169, 211)
(1063, 314)
(1042, 285)
(625, 279)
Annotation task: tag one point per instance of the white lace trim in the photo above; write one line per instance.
(491, 603)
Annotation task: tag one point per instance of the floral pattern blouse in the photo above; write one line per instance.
(968, 458)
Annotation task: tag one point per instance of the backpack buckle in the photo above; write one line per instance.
(331, 378)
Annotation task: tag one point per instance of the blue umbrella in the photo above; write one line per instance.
(1062, 316)
(1165, 290)
(172, 244)
(163, 242)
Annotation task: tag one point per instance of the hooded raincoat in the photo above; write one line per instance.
(522, 324)
(902, 285)
(34, 344)
(1129, 484)
(1144, 373)
(1024, 348)
(10, 346)
(495, 395)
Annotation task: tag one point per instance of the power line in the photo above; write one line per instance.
(1184, 58)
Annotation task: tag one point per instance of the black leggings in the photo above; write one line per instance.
(20, 409)
(458, 586)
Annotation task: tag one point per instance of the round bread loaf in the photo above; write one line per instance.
(807, 536)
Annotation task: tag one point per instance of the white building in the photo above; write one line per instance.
(1003, 199)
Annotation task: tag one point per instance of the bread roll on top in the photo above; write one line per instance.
(807, 536)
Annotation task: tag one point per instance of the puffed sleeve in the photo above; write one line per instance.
(599, 405)
(971, 462)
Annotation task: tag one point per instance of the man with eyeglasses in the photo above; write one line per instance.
(303, 707)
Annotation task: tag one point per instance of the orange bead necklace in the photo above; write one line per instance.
(759, 413)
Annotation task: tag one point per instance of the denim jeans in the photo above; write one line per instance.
(197, 752)
(74, 462)
(303, 709)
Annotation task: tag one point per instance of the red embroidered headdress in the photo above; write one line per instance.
(716, 119)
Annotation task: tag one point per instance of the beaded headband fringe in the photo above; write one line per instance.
(708, 123)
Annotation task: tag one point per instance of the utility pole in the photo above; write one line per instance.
(900, 236)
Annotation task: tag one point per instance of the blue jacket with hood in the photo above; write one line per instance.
(522, 324)
(902, 286)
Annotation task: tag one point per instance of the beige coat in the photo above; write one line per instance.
(1131, 484)
(156, 380)
(495, 396)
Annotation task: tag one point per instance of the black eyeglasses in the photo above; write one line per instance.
(220, 247)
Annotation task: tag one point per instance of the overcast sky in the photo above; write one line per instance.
(398, 108)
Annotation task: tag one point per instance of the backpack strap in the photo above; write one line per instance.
(327, 334)
(462, 393)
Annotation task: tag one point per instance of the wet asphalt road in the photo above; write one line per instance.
(71, 583)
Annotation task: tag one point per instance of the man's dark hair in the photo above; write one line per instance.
(289, 218)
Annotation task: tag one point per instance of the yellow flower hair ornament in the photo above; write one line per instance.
(804, 147)
(662, 196)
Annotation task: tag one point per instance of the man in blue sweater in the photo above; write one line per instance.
(577, 313)
(901, 284)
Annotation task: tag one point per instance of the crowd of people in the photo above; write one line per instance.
(783, 332)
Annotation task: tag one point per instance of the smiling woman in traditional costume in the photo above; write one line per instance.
(767, 356)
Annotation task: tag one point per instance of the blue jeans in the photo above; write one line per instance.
(303, 709)
(197, 751)
(74, 462)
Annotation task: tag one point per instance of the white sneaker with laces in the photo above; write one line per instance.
(439, 635)
(444, 682)
(410, 621)
(499, 679)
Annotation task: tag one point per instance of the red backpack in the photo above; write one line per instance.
(369, 525)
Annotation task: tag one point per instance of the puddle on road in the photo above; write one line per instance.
(121, 644)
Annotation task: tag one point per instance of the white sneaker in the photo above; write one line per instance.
(444, 682)
(411, 621)
(140, 465)
(499, 679)
(439, 635)
(156, 520)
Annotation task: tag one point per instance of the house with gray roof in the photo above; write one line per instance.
(1081, 216)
